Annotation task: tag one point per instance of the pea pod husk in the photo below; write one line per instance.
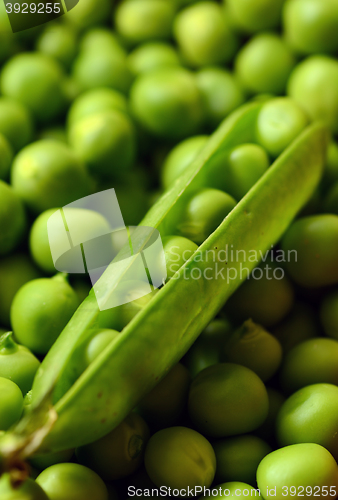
(91, 404)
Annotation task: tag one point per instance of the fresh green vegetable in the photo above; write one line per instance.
(11, 403)
(12, 219)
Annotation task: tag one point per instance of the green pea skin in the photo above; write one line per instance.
(167, 103)
(251, 16)
(227, 399)
(203, 213)
(310, 26)
(252, 346)
(6, 157)
(180, 158)
(152, 55)
(264, 64)
(119, 453)
(177, 250)
(47, 174)
(305, 467)
(315, 239)
(234, 489)
(105, 142)
(40, 310)
(313, 84)
(98, 343)
(279, 122)
(178, 457)
(329, 315)
(15, 271)
(238, 458)
(35, 80)
(72, 482)
(17, 363)
(310, 415)
(12, 219)
(139, 21)
(95, 101)
(164, 405)
(245, 166)
(28, 490)
(16, 123)
(60, 42)
(221, 93)
(204, 35)
(11, 403)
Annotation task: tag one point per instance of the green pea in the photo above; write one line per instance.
(60, 42)
(267, 297)
(329, 315)
(298, 326)
(233, 489)
(331, 200)
(204, 35)
(164, 405)
(35, 80)
(177, 250)
(310, 415)
(227, 399)
(15, 271)
(279, 122)
(314, 85)
(11, 403)
(48, 174)
(152, 55)
(16, 124)
(42, 462)
(105, 142)
(6, 157)
(72, 482)
(167, 102)
(203, 213)
(311, 33)
(245, 166)
(301, 467)
(311, 243)
(251, 16)
(252, 346)
(221, 93)
(264, 64)
(12, 219)
(311, 362)
(17, 363)
(40, 310)
(238, 458)
(98, 343)
(178, 457)
(28, 490)
(268, 429)
(88, 14)
(180, 158)
(95, 101)
(119, 453)
(138, 21)
(101, 39)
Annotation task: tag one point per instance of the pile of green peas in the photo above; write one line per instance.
(125, 95)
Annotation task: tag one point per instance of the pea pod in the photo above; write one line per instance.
(87, 406)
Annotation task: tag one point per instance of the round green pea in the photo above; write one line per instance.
(329, 315)
(167, 103)
(313, 84)
(60, 42)
(152, 55)
(264, 64)
(98, 343)
(6, 157)
(72, 482)
(11, 403)
(12, 219)
(35, 80)
(289, 471)
(178, 457)
(139, 21)
(204, 36)
(221, 93)
(16, 124)
(252, 16)
(180, 158)
(40, 310)
(227, 399)
(177, 250)
(311, 362)
(279, 122)
(312, 242)
(48, 174)
(28, 490)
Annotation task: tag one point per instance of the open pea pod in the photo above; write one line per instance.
(88, 405)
